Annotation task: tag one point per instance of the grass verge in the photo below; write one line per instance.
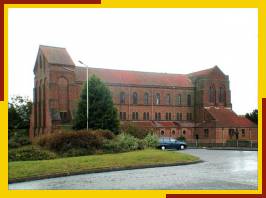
(27, 170)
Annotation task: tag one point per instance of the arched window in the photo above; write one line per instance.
(146, 98)
(157, 99)
(188, 100)
(222, 95)
(135, 98)
(178, 99)
(122, 98)
(63, 98)
(162, 132)
(40, 61)
(168, 99)
(173, 132)
(212, 94)
(44, 103)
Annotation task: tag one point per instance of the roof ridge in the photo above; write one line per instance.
(132, 71)
(51, 46)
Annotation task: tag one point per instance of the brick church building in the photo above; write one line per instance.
(196, 105)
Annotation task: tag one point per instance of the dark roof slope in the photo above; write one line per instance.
(205, 72)
(56, 55)
(225, 117)
(135, 77)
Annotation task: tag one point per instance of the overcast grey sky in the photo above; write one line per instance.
(157, 40)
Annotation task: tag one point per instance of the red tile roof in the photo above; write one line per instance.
(166, 124)
(56, 55)
(227, 118)
(159, 124)
(113, 76)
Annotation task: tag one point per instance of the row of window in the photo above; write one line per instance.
(212, 94)
(157, 116)
(230, 132)
(157, 99)
(173, 132)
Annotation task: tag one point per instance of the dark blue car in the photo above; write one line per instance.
(171, 143)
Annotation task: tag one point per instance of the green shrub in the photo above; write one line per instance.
(151, 140)
(181, 138)
(142, 144)
(16, 142)
(136, 131)
(103, 133)
(27, 153)
(18, 138)
(76, 143)
(121, 143)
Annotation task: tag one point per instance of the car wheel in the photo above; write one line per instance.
(182, 147)
(163, 148)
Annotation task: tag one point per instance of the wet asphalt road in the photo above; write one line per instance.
(220, 170)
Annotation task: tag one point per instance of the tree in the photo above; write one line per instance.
(19, 112)
(102, 112)
(253, 116)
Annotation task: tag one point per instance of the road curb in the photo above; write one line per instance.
(234, 149)
(17, 180)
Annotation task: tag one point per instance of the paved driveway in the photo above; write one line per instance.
(221, 170)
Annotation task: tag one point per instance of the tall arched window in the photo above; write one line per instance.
(157, 99)
(212, 94)
(44, 103)
(40, 61)
(188, 100)
(222, 95)
(178, 99)
(135, 98)
(122, 98)
(63, 98)
(168, 99)
(146, 98)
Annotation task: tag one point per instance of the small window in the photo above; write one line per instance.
(146, 116)
(184, 132)
(157, 99)
(157, 116)
(173, 132)
(162, 132)
(189, 100)
(212, 94)
(134, 116)
(63, 116)
(168, 99)
(168, 116)
(231, 133)
(178, 100)
(189, 116)
(146, 98)
(206, 132)
(222, 94)
(243, 132)
(177, 116)
(135, 98)
(122, 115)
(122, 98)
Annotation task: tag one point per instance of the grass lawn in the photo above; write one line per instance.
(71, 165)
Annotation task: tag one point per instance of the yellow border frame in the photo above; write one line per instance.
(260, 4)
